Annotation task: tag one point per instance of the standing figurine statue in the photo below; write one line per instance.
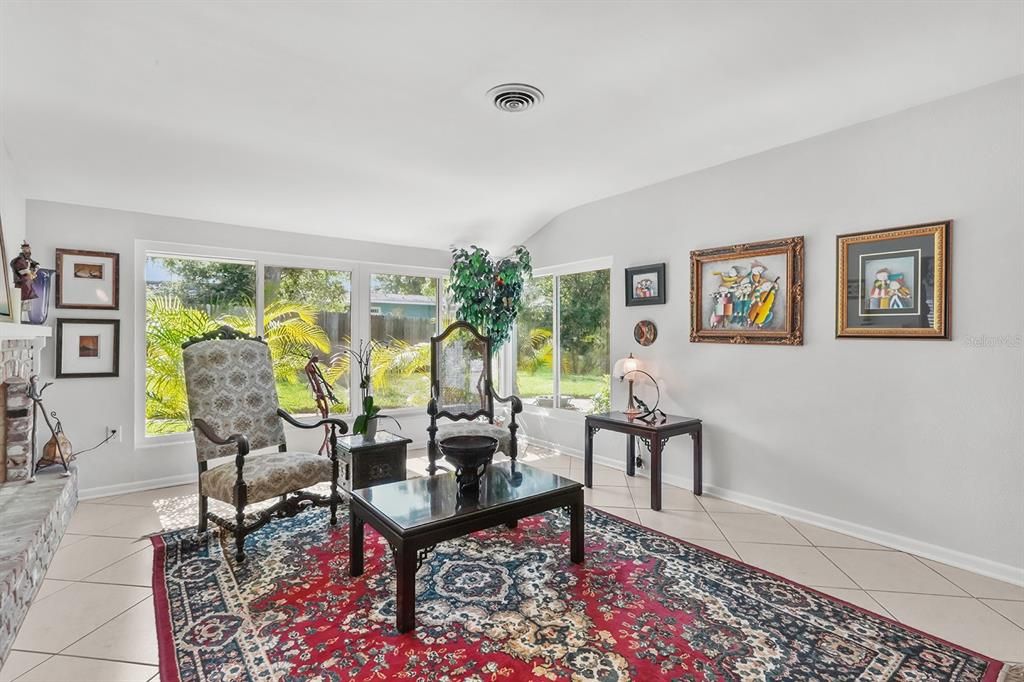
(25, 272)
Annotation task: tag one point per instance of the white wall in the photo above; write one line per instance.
(803, 427)
(87, 406)
(12, 204)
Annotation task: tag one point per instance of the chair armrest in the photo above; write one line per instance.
(327, 421)
(240, 441)
(517, 403)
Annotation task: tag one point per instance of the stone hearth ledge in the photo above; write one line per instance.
(33, 518)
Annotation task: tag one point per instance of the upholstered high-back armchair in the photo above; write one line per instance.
(462, 391)
(232, 400)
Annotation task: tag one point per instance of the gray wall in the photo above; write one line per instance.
(86, 406)
(803, 427)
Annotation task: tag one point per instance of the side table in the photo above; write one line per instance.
(654, 432)
(372, 462)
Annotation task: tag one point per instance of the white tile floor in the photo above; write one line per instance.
(93, 618)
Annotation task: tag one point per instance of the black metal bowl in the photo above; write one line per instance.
(470, 456)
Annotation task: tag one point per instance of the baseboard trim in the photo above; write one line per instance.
(945, 555)
(135, 486)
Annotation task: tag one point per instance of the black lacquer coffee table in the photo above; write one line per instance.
(415, 515)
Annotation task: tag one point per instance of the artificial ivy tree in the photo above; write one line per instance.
(488, 293)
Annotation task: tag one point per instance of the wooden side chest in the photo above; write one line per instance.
(367, 463)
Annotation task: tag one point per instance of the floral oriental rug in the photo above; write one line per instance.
(508, 605)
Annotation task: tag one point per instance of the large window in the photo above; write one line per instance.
(302, 307)
(583, 309)
(562, 359)
(308, 312)
(186, 297)
(403, 317)
(535, 350)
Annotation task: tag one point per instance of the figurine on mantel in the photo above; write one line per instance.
(25, 272)
(31, 287)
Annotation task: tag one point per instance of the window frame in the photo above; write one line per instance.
(359, 308)
(511, 351)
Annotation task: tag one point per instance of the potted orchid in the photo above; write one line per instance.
(366, 423)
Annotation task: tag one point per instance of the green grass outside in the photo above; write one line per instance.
(298, 399)
(541, 382)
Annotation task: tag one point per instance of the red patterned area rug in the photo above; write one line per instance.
(508, 605)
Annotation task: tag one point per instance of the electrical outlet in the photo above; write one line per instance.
(117, 431)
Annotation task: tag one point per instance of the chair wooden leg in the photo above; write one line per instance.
(513, 444)
(239, 533)
(203, 504)
(334, 492)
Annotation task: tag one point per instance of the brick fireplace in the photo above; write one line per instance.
(19, 361)
(33, 515)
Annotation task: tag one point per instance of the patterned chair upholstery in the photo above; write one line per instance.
(232, 399)
(462, 391)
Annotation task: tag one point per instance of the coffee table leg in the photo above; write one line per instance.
(405, 567)
(576, 530)
(355, 543)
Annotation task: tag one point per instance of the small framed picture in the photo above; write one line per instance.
(894, 283)
(87, 279)
(646, 285)
(748, 293)
(88, 348)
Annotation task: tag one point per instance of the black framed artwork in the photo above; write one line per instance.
(894, 283)
(88, 348)
(646, 285)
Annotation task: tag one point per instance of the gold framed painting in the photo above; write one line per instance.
(894, 283)
(748, 293)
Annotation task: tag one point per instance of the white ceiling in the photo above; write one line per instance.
(368, 120)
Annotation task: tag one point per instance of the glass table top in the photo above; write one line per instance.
(419, 501)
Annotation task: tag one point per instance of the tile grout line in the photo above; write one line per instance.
(91, 658)
(727, 540)
(26, 672)
(83, 579)
(104, 624)
(999, 613)
(921, 561)
(839, 568)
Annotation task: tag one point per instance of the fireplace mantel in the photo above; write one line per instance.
(11, 330)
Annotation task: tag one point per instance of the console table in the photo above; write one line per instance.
(654, 432)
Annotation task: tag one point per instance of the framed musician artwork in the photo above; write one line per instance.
(894, 283)
(748, 293)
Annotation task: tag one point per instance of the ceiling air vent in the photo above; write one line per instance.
(515, 97)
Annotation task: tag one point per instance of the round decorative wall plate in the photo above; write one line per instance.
(645, 332)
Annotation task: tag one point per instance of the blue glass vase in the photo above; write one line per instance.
(39, 307)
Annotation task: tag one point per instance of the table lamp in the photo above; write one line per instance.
(623, 368)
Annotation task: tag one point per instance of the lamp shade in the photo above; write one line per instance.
(624, 366)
